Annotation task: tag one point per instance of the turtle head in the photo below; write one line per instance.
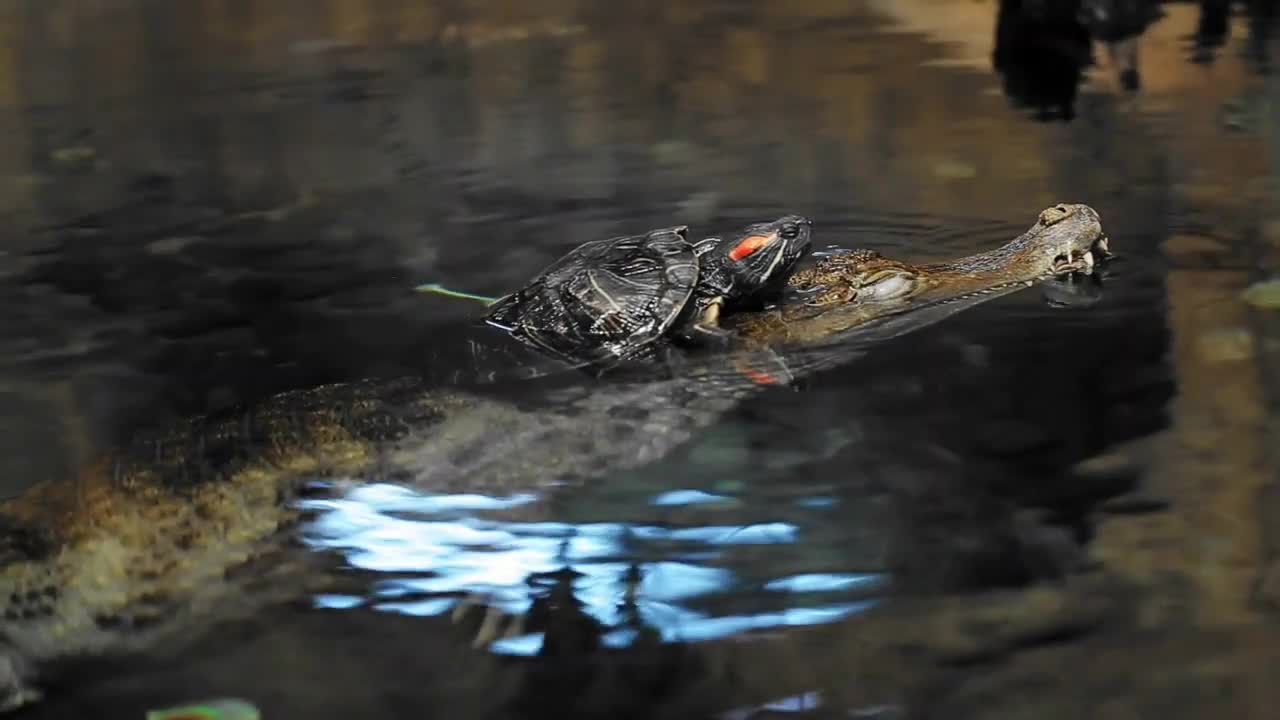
(761, 257)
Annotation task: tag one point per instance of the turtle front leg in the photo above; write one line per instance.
(704, 330)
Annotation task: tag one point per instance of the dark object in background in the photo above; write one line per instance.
(1041, 50)
(1211, 31)
(1214, 29)
(1262, 25)
(1119, 24)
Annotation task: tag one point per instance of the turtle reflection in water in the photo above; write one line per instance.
(145, 545)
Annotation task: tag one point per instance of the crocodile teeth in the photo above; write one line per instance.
(1088, 259)
(1103, 246)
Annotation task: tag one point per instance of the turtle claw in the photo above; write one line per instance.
(711, 337)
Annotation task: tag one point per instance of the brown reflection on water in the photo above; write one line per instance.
(739, 99)
(1201, 559)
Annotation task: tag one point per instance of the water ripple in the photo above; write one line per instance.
(458, 547)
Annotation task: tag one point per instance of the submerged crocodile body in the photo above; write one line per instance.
(146, 543)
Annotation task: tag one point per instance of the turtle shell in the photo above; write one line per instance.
(606, 299)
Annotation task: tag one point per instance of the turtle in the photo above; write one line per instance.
(611, 299)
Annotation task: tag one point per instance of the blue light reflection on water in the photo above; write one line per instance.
(820, 582)
(794, 704)
(688, 497)
(389, 528)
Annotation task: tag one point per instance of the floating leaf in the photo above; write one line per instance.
(74, 155)
(220, 709)
(954, 170)
(439, 289)
(1265, 294)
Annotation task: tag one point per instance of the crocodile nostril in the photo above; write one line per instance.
(1060, 208)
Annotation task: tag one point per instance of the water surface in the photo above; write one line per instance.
(211, 202)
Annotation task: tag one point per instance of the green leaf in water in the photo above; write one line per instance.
(1265, 294)
(954, 170)
(77, 155)
(220, 709)
(439, 289)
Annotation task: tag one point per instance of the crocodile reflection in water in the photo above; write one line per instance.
(141, 546)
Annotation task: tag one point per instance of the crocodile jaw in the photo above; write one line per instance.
(1072, 261)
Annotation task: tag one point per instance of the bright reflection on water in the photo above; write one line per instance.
(460, 553)
(794, 704)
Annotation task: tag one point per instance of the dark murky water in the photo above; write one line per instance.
(211, 202)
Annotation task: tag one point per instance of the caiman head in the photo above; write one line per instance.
(849, 289)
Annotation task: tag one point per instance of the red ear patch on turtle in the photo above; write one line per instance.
(750, 244)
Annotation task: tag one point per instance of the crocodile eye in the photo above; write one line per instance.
(886, 285)
(790, 231)
(1055, 214)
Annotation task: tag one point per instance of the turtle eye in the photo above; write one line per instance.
(790, 231)
(748, 245)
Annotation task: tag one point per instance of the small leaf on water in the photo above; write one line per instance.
(954, 170)
(439, 289)
(74, 155)
(220, 709)
(1265, 294)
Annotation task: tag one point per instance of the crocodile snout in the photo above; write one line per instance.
(1072, 234)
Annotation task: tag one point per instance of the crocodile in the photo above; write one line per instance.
(849, 289)
(162, 537)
